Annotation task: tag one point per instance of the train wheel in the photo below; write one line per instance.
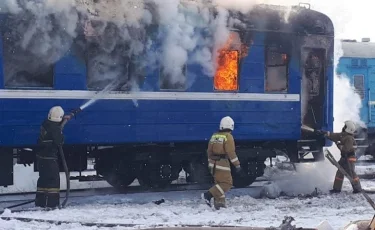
(157, 174)
(120, 175)
(119, 181)
(252, 168)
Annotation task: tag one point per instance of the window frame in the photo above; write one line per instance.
(275, 49)
(363, 94)
(87, 56)
(6, 86)
(238, 74)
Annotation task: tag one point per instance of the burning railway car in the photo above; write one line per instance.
(273, 74)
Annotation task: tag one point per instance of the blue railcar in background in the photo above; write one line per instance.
(284, 79)
(358, 64)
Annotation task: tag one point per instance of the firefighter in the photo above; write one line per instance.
(220, 152)
(346, 144)
(49, 141)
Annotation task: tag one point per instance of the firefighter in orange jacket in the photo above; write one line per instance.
(221, 151)
(345, 143)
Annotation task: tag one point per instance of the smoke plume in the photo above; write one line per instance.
(120, 38)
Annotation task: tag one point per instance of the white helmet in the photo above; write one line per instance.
(227, 123)
(56, 114)
(350, 127)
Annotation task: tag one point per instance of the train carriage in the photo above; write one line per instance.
(272, 76)
(357, 64)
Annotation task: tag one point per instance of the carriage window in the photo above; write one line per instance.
(106, 70)
(176, 81)
(22, 68)
(226, 77)
(276, 71)
(359, 85)
(355, 62)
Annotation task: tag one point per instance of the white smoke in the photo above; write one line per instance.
(348, 103)
(53, 26)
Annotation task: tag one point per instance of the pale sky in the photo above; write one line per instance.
(352, 18)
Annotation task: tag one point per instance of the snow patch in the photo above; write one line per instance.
(352, 227)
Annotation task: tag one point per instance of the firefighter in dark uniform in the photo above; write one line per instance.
(50, 140)
(346, 144)
(221, 152)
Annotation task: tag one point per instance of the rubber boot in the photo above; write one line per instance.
(219, 205)
(332, 191)
(207, 196)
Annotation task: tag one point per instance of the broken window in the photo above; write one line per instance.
(21, 68)
(173, 79)
(359, 85)
(276, 71)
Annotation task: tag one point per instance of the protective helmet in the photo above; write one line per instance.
(56, 114)
(349, 127)
(227, 123)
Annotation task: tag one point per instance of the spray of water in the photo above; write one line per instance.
(99, 95)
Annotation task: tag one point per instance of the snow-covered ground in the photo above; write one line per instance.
(245, 208)
(187, 208)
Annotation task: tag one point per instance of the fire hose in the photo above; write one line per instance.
(330, 157)
(62, 156)
(67, 176)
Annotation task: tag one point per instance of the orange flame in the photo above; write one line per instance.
(227, 71)
(226, 77)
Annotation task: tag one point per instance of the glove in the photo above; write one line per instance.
(320, 132)
(75, 111)
(67, 117)
(240, 172)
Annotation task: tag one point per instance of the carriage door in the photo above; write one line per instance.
(314, 87)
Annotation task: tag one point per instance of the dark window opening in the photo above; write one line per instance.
(22, 68)
(173, 81)
(276, 71)
(359, 85)
(111, 61)
(107, 70)
(313, 70)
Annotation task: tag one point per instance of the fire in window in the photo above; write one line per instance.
(227, 70)
(226, 77)
(276, 71)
